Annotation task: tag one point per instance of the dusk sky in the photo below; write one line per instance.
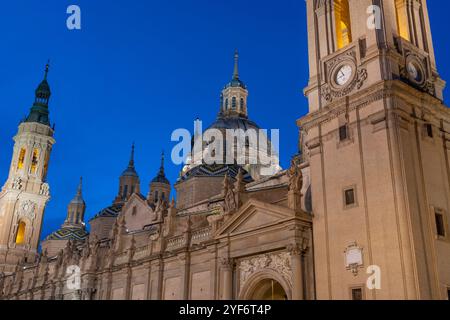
(137, 70)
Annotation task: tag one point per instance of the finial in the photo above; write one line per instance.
(162, 159)
(236, 65)
(131, 164)
(47, 66)
(80, 187)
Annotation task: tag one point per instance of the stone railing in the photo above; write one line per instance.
(121, 258)
(176, 242)
(142, 252)
(201, 235)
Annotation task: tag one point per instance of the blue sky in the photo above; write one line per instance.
(140, 69)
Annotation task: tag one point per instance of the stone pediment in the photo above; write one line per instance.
(254, 215)
(137, 213)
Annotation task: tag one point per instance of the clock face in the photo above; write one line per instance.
(414, 72)
(343, 75)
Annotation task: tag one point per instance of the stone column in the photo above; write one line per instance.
(184, 260)
(214, 274)
(297, 272)
(227, 268)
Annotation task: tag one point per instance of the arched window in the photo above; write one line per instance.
(21, 161)
(242, 104)
(226, 104)
(163, 196)
(402, 19)
(343, 23)
(125, 192)
(20, 236)
(233, 103)
(47, 159)
(156, 196)
(34, 161)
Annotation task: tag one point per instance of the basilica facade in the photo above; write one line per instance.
(361, 213)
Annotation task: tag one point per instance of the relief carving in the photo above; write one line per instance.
(279, 263)
(45, 189)
(230, 204)
(27, 209)
(17, 183)
(330, 94)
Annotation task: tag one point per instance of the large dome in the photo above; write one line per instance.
(233, 115)
(233, 123)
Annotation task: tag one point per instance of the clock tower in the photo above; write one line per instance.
(26, 192)
(376, 145)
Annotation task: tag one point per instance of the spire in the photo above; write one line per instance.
(47, 66)
(235, 81)
(78, 199)
(80, 187)
(161, 177)
(236, 65)
(39, 111)
(130, 170)
(233, 98)
(161, 168)
(131, 163)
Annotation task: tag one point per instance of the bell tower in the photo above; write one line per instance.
(377, 148)
(26, 192)
(233, 99)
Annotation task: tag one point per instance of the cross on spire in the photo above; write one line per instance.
(47, 67)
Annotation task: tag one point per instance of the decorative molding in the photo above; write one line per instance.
(45, 189)
(329, 94)
(331, 90)
(27, 209)
(227, 263)
(276, 262)
(17, 183)
(353, 258)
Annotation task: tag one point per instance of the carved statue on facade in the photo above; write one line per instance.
(295, 185)
(295, 177)
(229, 196)
(17, 183)
(239, 188)
(45, 189)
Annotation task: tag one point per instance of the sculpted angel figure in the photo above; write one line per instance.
(295, 177)
(229, 196)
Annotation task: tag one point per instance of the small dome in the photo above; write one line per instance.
(43, 90)
(161, 179)
(109, 212)
(130, 172)
(68, 233)
(78, 199)
(236, 83)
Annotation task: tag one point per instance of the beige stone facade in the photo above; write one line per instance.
(362, 213)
